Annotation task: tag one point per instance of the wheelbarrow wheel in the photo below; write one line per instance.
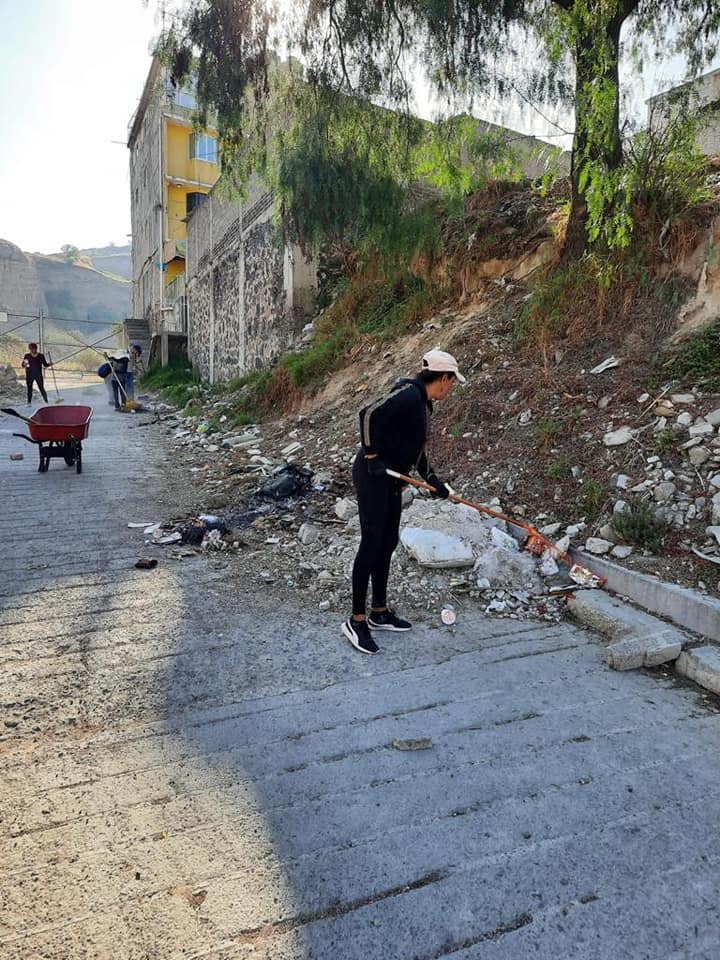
(69, 454)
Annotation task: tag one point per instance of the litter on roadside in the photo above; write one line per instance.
(286, 481)
(606, 365)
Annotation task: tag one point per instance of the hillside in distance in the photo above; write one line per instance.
(81, 293)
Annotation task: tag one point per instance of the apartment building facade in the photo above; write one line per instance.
(172, 168)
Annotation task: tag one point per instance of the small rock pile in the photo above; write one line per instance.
(308, 540)
(681, 483)
(10, 386)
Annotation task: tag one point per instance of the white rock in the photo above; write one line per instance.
(308, 534)
(713, 418)
(621, 551)
(501, 539)
(574, 529)
(715, 481)
(616, 438)
(563, 543)
(291, 449)
(431, 548)
(345, 508)
(548, 566)
(685, 419)
(713, 532)
(682, 398)
(598, 546)
(620, 506)
(483, 583)
(643, 398)
(701, 429)
(622, 481)
(509, 570)
(664, 491)
(550, 529)
(716, 508)
(698, 456)
(525, 417)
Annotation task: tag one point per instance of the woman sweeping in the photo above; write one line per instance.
(34, 363)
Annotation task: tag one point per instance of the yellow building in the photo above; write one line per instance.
(172, 167)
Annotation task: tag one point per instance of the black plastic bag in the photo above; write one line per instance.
(287, 481)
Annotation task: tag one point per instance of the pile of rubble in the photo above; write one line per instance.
(683, 483)
(297, 527)
(10, 386)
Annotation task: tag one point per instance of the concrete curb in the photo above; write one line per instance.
(687, 608)
(701, 665)
(637, 638)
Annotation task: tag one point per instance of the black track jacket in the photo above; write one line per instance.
(395, 427)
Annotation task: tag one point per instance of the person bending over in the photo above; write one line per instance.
(393, 434)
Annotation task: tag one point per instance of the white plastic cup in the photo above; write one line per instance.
(447, 615)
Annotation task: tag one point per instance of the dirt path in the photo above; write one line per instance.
(191, 767)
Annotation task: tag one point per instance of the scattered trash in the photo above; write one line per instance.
(136, 526)
(496, 606)
(212, 540)
(447, 615)
(286, 482)
(606, 365)
(421, 743)
(17, 456)
(146, 563)
(169, 538)
(705, 556)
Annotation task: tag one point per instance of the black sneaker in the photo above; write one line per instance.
(386, 620)
(358, 633)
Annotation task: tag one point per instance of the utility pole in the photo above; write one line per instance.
(41, 332)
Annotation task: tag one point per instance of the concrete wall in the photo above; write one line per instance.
(702, 96)
(247, 297)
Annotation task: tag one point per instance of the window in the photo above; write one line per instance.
(185, 98)
(182, 96)
(203, 147)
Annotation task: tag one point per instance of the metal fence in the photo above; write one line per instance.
(71, 350)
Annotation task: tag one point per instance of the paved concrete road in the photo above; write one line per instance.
(190, 768)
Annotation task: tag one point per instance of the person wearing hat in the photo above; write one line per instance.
(393, 434)
(135, 369)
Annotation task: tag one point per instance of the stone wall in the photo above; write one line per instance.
(247, 297)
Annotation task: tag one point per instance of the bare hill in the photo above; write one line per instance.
(81, 294)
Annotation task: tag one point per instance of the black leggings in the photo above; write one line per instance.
(38, 379)
(379, 504)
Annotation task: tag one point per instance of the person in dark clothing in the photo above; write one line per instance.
(119, 366)
(393, 436)
(34, 362)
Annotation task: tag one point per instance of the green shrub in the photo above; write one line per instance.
(664, 441)
(560, 469)
(697, 359)
(592, 498)
(639, 525)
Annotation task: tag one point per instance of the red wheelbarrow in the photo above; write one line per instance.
(58, 432)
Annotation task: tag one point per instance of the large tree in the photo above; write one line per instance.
(560, 51)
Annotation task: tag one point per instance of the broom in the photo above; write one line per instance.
(127, 403)
(52, 369)
(536, 542)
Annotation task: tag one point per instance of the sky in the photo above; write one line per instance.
(71, 75)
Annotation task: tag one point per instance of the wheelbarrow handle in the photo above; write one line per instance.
(24, 436)
(13, 413)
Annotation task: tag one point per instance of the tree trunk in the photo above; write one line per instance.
(597, 139)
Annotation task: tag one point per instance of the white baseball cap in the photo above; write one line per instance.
(440, 362)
